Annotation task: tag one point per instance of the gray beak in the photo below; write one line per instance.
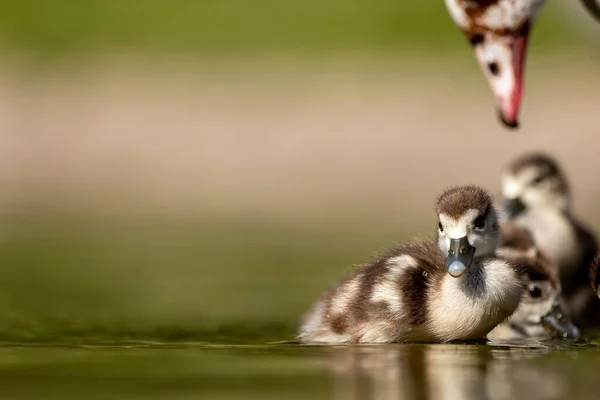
(512, 207)
(557, 323)
(460, 256)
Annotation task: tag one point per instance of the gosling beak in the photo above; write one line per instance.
(460, 256)
(512, 207)
(502, 58)
(558, 324)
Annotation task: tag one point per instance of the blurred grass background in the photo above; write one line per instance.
(52, 28)
(184, 205)
(84, 279)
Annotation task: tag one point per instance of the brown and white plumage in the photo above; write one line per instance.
(541, 313)
(498, 31)
(537, 196)
(410, 295)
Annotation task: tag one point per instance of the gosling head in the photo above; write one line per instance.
(542, 310)
(498, 31)
(534, 181)
(541, 313)
(467, 227)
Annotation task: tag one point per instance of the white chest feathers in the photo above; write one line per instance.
(555, 235)
(476, 302)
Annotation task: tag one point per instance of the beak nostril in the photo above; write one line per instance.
(494, 68)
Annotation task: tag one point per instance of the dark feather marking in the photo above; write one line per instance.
(339, 323)
(371, 274)
(416, 284)
(413, 287)
(413, 283)
(473, 285)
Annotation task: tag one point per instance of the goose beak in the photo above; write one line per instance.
(460, 256)
(502, 59)
(559, 324)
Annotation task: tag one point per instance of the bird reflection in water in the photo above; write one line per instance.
(440, 372)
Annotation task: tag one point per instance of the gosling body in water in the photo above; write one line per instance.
(454, 288)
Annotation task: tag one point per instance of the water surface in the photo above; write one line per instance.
(440, 371)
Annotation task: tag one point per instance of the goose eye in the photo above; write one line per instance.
(476, 39)
(441, 228)
(535, 292)
(479, 222)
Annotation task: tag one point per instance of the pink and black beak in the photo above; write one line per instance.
(502, 59)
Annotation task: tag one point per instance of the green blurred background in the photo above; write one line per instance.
(203, 170)
(55, 28)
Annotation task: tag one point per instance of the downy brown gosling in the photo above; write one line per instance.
(537, 197)
(541, 314)
(454, 288)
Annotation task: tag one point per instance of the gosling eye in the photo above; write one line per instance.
(537, 180)
(534, 292)
(440, 227)
(479, 222)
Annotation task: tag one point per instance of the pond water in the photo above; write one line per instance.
(438, 371)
